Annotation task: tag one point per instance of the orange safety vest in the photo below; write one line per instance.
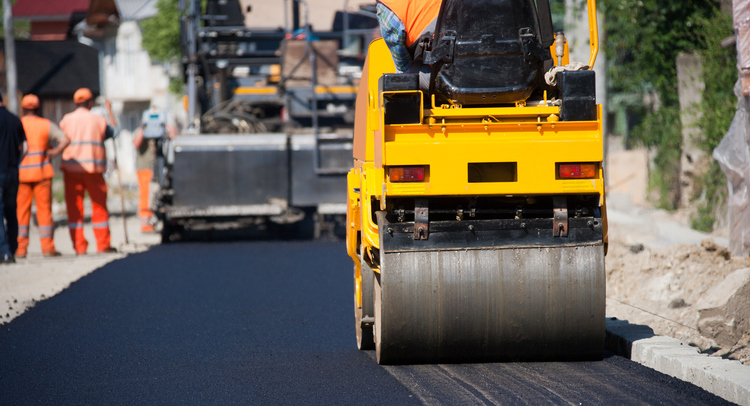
(36, 166)
(86, 150)
(417, 15)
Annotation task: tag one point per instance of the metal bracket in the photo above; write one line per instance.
(443, 50)
(421, 219)
(560, 219)
(367, 321)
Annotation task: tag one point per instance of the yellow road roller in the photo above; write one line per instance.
(476, 208)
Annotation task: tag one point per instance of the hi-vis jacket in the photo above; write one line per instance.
(86, 131)
(418, 16)
(36, 166)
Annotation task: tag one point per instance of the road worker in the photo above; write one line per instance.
(13, 147)
(46, 141)
(153, 130)
(405, 26)
(83, 165)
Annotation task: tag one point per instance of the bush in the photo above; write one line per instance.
(717, 109)
(644, 38)
(662, 130)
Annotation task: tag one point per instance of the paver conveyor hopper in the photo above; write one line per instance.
(476, 212)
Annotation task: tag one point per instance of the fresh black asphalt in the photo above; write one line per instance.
(260, 323)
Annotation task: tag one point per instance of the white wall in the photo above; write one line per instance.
(132, 83)
(127, 66)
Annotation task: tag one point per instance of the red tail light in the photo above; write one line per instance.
(577, 171)
(406, 174)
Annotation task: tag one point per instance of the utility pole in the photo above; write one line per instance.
(10, 57)
(191, 23)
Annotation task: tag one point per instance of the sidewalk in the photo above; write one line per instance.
(653, 228)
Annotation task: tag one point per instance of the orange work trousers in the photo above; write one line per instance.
(144, 209)
(93, 183)
(41, 192)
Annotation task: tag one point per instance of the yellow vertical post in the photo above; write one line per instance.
(593, 32)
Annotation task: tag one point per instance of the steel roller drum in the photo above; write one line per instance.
(473, 305)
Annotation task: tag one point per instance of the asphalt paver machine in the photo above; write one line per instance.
(476, 208)
(271, 122)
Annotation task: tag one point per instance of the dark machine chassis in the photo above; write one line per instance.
(481, 234)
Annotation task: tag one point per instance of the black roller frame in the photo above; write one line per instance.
(479, 234)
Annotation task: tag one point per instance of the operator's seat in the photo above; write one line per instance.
(490, 51)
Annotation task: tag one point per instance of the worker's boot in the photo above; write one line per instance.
(23, 244)
(146, 224)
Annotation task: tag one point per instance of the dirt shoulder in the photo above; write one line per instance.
(665, 286)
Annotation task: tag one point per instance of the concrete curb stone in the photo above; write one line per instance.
(727, 379)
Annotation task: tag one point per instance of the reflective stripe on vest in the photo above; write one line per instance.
(35, 166)
(86, 150)
(418, 16)
(96, 143)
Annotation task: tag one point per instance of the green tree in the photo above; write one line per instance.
(21, 28)
(161, 36)
(717, 109)
(161, 33)
(644, 38)
(718, 102)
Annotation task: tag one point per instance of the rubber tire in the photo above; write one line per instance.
(365, 338)
(309, 227)
(377, 327)
(171, 233)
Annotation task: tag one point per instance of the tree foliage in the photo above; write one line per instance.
(717, 109)
(718, 102)
(21, 28)
(662, 130)
(161, 33)
(645, 36)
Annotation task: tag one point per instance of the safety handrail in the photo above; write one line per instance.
(593, 32)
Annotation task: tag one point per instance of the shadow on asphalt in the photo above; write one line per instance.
(224, 231)
(618, 344)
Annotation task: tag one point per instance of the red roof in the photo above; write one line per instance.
(37, 8)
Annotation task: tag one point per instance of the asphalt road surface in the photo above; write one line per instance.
(262, 323)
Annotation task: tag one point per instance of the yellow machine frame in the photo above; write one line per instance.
(449, 138)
